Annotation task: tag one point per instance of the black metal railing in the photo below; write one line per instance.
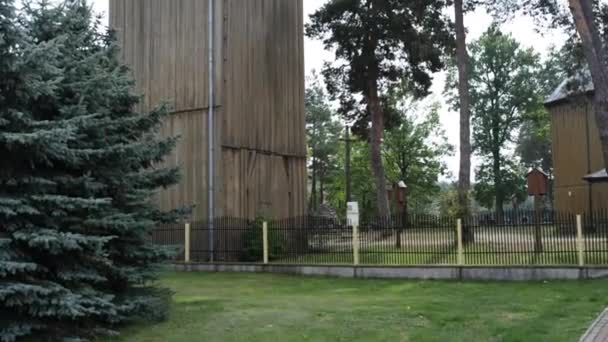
(595, 231)
(408, 240)
(513, 238)
(170, 234)
(520, 238)
(310, 240)
(232, 240)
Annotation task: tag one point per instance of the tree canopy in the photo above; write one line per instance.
(379, 45)
(504, 93)
(415, 151)
(323, 134)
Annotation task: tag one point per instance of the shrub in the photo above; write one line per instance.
(253, 249)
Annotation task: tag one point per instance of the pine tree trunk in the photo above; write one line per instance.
(594, 52)
(377, 132)
(464, 173)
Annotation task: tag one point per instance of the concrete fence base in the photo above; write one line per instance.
(498, 273)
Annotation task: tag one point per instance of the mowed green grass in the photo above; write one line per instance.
(264, 307)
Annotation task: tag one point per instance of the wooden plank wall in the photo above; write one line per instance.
(263, 129)
(264, 72)
(260, 72)
(576, 153)
(166, 45)
(258, 184)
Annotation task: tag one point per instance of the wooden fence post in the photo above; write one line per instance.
(187, 242)
(580, 245)
(265, 240)
(459, 236)
(355, 245)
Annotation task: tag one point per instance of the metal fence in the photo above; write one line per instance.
(171, 234)
(513, 238)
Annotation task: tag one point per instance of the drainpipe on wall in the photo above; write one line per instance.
(210, 124)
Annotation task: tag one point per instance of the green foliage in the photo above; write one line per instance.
(323, 134)
(80, 167)
(447, 203)
(414, 152)
(380, 44)
(513, 183)
(363, 188)
(505, 93)
(253, 250)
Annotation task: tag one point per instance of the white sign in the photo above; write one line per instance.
(352, 213)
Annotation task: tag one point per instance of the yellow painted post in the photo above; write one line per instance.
(355, 245)
(265, 240)
(580, 245)
(187, 242)
(460, 249)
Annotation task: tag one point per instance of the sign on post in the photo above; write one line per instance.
(352, 213)
(352, 217)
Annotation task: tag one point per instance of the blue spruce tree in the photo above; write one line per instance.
(80, 166)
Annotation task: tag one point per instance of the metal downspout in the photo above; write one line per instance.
(210, 127)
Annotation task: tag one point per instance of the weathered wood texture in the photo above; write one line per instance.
(259, 123)
(264, 70)
(262, 184)
(576, 153)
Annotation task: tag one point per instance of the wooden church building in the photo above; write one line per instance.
(233, 71)
(581, 183)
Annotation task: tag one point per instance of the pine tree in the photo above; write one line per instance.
(379, 45)
(82, 166)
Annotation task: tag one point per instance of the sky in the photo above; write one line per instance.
(522, 28)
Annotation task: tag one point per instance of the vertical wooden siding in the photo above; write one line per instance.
(264, 73)
(261, 184)
(576, 153)
(263, 129)
(166, 45)
(259, 67)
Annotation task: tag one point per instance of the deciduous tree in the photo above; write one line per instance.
(415, 151)
(504, 91)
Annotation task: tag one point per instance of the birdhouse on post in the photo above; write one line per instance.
(400, 193)
(537, 186)
(537, 182)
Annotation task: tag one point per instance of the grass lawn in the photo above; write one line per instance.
(264, 307)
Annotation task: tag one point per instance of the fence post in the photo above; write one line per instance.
(187, 242)
(265, 240)
(459, 236)
(355, 245)
(580, 245)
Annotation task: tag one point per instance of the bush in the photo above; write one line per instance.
(253, 250)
